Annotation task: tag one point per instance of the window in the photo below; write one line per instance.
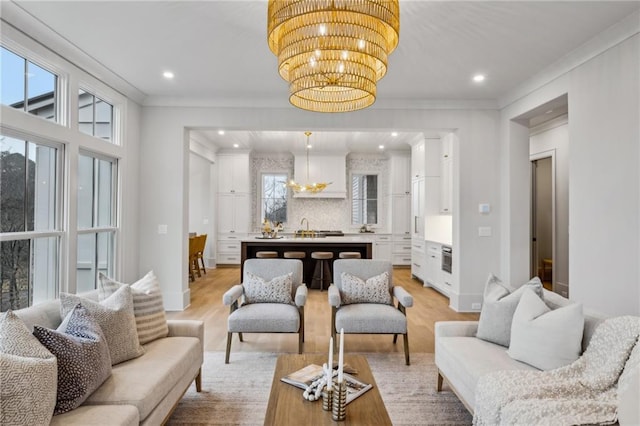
(29, 215)
(96, 219)
(274, 197)
(27, 86)
(364, 199)
(95, 116)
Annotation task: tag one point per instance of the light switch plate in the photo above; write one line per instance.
(162, 229)
(484, 231)
(484, 208)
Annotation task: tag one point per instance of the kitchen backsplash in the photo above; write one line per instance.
(323, 213)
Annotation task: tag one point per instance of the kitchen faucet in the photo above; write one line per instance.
(306, 233)
(302, 221)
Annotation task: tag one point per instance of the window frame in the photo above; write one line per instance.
(260, 193)
(115, 114)
(378, 199)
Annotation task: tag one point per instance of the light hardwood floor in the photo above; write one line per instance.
(206, 305)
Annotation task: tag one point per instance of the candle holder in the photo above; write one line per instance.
(327, 397)
(339, 411)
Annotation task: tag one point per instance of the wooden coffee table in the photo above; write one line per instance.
(287, 406)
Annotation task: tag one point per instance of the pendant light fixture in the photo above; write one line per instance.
(333, 52)
(312, 188)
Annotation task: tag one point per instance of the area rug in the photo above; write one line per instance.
(237, 393)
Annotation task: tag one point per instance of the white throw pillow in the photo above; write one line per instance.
(28, 375)
(356, 290)
(545, 338)
(115, 317)
(258, 290)
(148, 307)
(498, 306)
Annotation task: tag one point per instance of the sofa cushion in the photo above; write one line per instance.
(498, 306)
(371, 318)
(464, 359)
(545, 338)
(28, 375)
(148, 307)
(265, 318)
(95, 415)
(116, 318)
(83, 357)
(357, 290)
(276, 290)
(143, 382)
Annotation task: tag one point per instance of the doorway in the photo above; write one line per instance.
(543, 218)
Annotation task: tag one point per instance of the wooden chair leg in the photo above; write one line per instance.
(440, 379)
(240, 336)
(226, 358)
(300, 340)
(203, 267)
(199, 381)
(395, 338)
(333, 323)
(406, 348)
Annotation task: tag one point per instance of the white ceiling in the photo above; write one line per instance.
(218, 49)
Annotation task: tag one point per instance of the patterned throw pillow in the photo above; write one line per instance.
(357, 290)
(498, 307)
(115, 317)
(28, 375)
(148, 307)
(278, 290)
(83, 357)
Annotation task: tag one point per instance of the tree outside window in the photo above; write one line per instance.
(274, 197)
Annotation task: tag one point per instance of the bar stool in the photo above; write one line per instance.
(267, 254)
(322, 264)
(294, 255)
(350, 255)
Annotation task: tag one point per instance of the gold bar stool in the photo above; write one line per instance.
(350, 255)
(322, 257)
(294, 255)
(267, 254)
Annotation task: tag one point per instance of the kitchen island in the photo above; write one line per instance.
(335, 245)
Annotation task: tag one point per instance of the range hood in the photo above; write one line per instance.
(323, 167)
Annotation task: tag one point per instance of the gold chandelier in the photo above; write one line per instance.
(312, 188)
(333, 52)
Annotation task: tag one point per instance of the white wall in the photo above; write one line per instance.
(604, 184)
(164, 171)
(201, 217)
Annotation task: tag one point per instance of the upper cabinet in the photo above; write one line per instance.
(446, 189)
(433, 156)
(234, 173)
(418, 160)
(400, 168)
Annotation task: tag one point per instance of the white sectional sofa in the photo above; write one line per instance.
(144, 390)
(461, 358)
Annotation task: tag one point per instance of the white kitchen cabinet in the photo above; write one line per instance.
(382, 247)
(234, 173)
(228, 248)
(418, 160)
(433, 264)
(417, 207)
(401, 249)
(234, 215)
(401, 214)
(417, 258)
(400, 174)
(446, 188)
(433, 154)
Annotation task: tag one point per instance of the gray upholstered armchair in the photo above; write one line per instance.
(365, 307)
(260, 305)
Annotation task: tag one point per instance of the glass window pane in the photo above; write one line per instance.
(105, 253)
(12, 79)
(105, 195)
(86, 263)
(44, 160)
(104, 119)
(85, 112)
(274, 198)
(15, 270)
(85, 191)
(45, 261)
(364, 199)
(13, 185)
(41, 85)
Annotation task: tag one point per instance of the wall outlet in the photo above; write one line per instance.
(162, 229)
(484, 231)
(476, 306)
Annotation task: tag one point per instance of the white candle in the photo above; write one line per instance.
(341, 356)
(330, 364)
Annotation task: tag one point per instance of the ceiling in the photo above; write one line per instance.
(218, 50)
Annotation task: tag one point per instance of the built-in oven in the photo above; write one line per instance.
(446, 258)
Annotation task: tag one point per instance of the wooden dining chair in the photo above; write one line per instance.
(193, 257)
(199, 259)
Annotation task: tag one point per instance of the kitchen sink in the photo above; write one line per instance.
(318, 233)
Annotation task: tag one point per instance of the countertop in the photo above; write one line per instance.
(321, 240)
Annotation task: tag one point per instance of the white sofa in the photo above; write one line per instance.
(144, 390)
(461, 358)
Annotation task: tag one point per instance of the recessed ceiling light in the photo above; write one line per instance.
(221, 132)
(381, 146)
(168, 75)
(479, 78)
(394, 134)
(235, 145)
